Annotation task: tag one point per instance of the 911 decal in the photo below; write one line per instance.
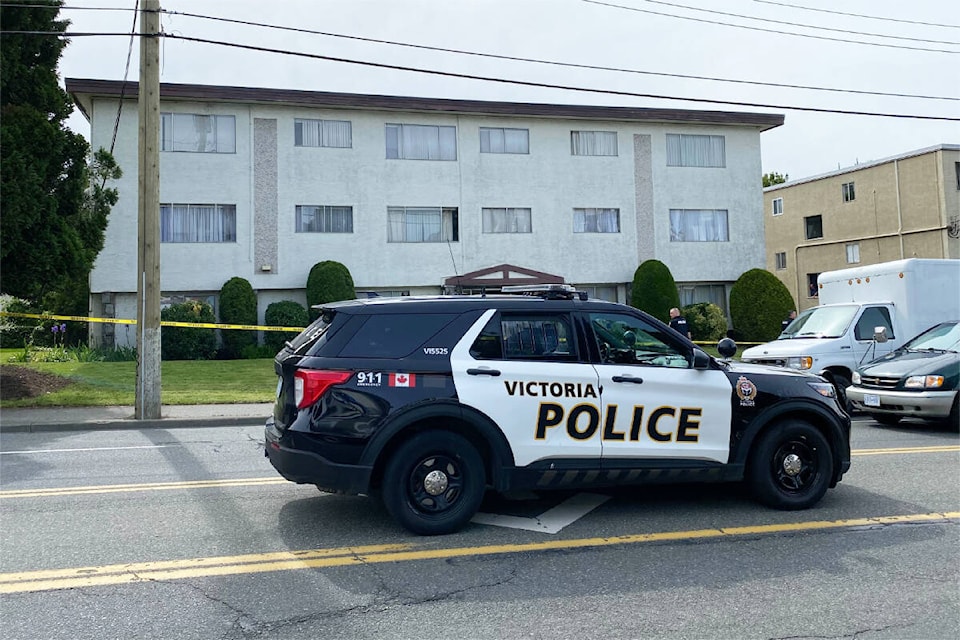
(583, 422)
(369, 378)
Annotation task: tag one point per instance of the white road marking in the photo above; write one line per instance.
(144, 446)
(550, 521)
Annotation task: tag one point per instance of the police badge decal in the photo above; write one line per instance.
(747, 392)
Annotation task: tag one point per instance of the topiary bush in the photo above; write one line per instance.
(758, 304)
(285, 313)
(654, 290)
(329, 281)
(238, 305)
(706, 321)
(188, 343)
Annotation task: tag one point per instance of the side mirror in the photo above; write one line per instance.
(700, 359)
(726, 348)
(880, 334)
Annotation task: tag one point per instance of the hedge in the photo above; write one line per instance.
(654, 290)
(187, 343)
(238, 305)
(758, 304)
(285, 313)
(329, 281)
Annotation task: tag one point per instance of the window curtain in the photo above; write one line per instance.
(198, 133)
(421, 142)
(324, 219)
(198, 223)
(504, 140)
(695, 151)
(695, 225)
(421, 224)
(507, 220)
(596, 220)
(593, 143)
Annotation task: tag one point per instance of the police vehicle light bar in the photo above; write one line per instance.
(550, 291)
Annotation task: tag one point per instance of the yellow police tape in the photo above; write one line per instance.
(165, 323)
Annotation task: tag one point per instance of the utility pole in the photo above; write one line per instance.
(148, 217)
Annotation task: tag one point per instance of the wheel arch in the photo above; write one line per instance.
(453, 417)
(820, 417)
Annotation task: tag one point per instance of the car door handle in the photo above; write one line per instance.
(483, 372)
(628, 379)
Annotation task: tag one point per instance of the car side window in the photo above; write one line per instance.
(873, 317)
(511, 336)
(627, 339)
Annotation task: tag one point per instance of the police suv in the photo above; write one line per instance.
(430, 401)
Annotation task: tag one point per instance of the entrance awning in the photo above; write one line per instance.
(500, 276)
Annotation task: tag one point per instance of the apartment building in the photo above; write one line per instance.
(906, 206)
(424, 195)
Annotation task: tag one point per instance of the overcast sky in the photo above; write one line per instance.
(625, 34)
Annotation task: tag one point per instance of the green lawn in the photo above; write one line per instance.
(182, 381)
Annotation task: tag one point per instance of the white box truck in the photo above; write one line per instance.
(904, 297)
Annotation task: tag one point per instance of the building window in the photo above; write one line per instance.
(197, 133)
(848, 193)
(699, 225)
(322, 133)
(198, 223)
(813, 226)
(596, 220)
(493, 140)
(507, 220)
(324, 219)
(781, 258)
(695, 150)
(853, 253)
(421, 142)
(593, 143)
(812, 290)
(422, 224)
(778, 206)
(692, 293)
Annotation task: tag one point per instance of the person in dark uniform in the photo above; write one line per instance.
(786, 321)
(678, 323)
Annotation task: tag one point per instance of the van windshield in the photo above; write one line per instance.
(821, 322)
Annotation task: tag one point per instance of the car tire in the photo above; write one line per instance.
(790, 466)
(840, 383)
(434, 483)
(885, 418)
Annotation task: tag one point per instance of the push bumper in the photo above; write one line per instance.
(308, 467)
(906, 404)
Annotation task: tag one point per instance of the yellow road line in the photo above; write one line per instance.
(248, 482)
(317, 558)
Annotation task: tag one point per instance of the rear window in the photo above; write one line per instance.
(394, 335)
(313, 336)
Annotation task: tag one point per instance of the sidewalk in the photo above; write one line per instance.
(35, 419)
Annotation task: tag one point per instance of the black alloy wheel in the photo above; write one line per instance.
(791, 466)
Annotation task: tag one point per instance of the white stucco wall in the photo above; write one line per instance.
(549, 180)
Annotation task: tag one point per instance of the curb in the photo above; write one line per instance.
(131, 424)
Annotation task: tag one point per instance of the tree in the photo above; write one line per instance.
(772, 178)
(758, 304)
(654, 290)
(238, 305)
(329, 281)
(55, 206)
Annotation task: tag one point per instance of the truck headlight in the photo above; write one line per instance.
(855, 378)
(800, 362)
(825, 389)
(923, 382)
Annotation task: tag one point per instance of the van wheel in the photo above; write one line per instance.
(434, 482)
(790, 466)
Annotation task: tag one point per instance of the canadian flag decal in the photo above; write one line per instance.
(403, 380)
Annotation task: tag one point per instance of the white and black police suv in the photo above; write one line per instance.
(429, 402)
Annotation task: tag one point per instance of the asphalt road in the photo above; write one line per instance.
(189, 533)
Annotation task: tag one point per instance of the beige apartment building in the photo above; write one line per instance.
(907, 206)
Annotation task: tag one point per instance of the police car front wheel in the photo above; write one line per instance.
(434, 483)
(791, 466)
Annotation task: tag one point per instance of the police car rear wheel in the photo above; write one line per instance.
(434, 482)
(791, 466)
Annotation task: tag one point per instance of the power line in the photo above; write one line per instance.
(545, 85)
(787, 33)
(552, 62)
(126, 71)
(800, 24)
(860, 15)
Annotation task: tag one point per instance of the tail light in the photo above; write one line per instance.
(310, 384)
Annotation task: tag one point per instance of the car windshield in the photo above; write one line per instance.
(943, 337)
(821, 322)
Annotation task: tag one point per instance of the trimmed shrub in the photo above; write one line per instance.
(285, 313)
(238, 305)
(758, 304)
(706, 321)
(329, 281)
(654, 290)
(187, 343)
